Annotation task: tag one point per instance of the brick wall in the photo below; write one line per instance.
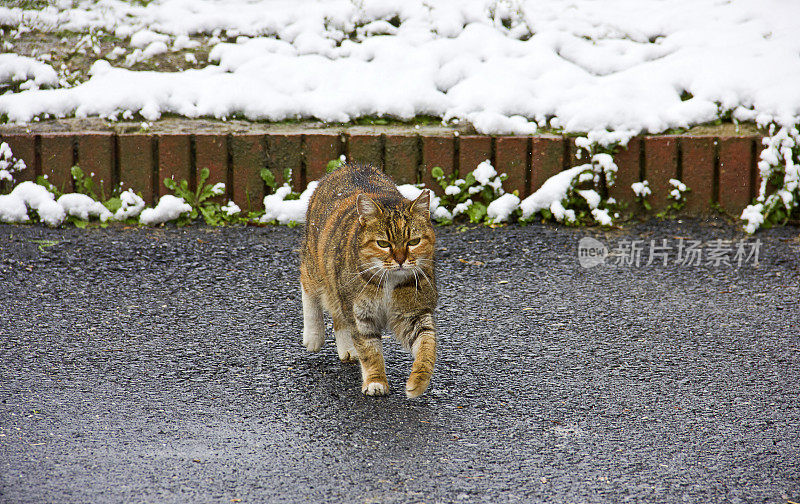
(719, 169)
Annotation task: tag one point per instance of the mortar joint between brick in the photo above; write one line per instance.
(457, 156)
(715, 182)
(754, 169)
(37, 156)
(418, 150)
(229, 166)
(642, 161)
(115, 169)
(528, 167)
(154, 181)
(303, 161)
(382, 144)
(193, 171)
(268, 164)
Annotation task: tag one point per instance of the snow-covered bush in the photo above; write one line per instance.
(472, 195)
(9, 167)
(779, 168)
(562, 198)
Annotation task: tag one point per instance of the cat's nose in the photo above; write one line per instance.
(400, 257)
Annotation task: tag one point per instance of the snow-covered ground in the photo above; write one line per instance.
(506, 66)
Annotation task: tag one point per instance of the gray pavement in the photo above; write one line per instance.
(165, 365)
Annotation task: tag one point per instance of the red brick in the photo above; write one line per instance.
(96, 160)
(320, 150)
(402, 158)
(627, 160)
(135, 154)
(547, 159)
(365, 148)
(511, 158)
(698, 172)
(211, 151)
(284, 151)
(174, 160)
(472, 151)
(661, 164)
(57, 159)
(735, 163)
(438, 151)
(249, 157)
(23, 147)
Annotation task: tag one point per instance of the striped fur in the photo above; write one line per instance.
(368, 260)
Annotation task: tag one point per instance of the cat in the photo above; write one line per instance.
(368, 260)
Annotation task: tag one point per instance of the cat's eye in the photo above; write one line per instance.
(383, 243)
(413, 242)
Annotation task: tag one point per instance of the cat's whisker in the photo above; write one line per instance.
(357, 274)
(425, 276)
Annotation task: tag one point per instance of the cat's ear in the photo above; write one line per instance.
(368, 209)
(422, 205)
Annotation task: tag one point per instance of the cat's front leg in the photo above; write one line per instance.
(418, 333)
(373, 367)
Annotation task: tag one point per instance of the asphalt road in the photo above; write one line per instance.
(165, 365)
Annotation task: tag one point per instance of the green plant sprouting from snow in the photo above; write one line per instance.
(202, 201)
(676, 198)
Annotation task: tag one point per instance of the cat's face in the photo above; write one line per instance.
(396, 242)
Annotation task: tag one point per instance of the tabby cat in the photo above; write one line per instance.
(368, 261)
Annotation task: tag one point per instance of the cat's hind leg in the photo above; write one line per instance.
(344, 341)
(313, 322)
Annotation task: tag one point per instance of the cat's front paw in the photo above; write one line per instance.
(313, 340)
(417, 383)
(375, 388)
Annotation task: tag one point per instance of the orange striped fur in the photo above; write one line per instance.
(368, 260)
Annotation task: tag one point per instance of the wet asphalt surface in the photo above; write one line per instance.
(165, 365)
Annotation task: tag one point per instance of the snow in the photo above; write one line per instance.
(231, 209)
(679, 189)
(484, 173)
(602, 217)
(15, 68)
(278, 208)
(12, 209)
(641, 189)
(501, 209)
(132, 206)
(591, 196)
(33, 196)
(753, 215)
(169, 208)
(83, 207)
(452, 190)
(611, 68)
(551, 193)
(144, 38)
